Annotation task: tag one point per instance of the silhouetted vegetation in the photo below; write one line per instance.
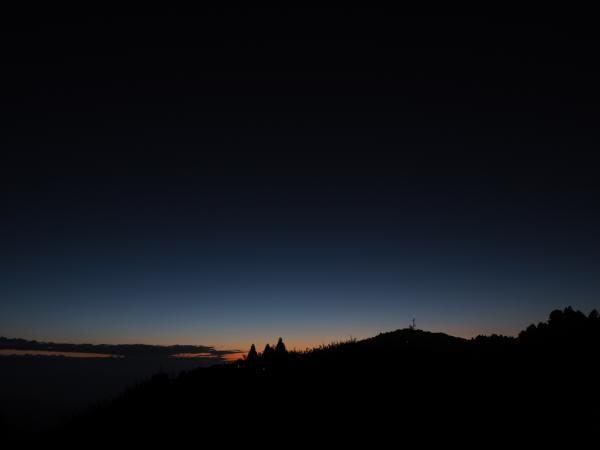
(566, 330)
(252, 357)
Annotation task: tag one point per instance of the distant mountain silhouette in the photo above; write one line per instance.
(391, 383)
(128, 350)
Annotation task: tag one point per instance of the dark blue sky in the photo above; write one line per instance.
(203, 179)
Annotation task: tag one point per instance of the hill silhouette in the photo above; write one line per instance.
(401, 379)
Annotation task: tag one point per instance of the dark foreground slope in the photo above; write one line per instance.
(394, 384)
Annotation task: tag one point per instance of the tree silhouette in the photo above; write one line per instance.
(267, 355)
(280, 348)
(252, 357)
(268, 351)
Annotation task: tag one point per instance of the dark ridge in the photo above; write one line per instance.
(403, 379)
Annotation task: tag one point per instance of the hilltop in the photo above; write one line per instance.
(514, 376)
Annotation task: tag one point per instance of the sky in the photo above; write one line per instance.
(229, 176)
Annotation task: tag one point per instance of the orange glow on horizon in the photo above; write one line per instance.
(226, 356)
(192, 355)
(233, 356)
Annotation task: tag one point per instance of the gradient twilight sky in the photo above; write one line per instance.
(228, 177)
